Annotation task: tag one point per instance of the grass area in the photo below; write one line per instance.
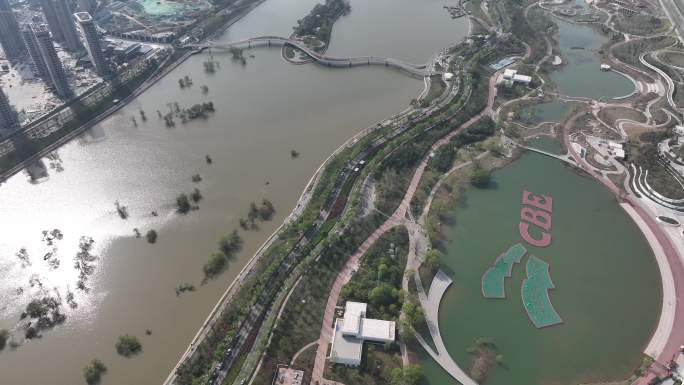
(673, 57)
(305, 362)
(437, 87)
(429, 179)
(629, 52)
(639, 24)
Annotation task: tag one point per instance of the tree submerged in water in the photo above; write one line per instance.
(183, 204)
(128, 346)
(4, 336)
(480, 177)
(93, 372)
(83, 262)
(151, 236)
(121, 210)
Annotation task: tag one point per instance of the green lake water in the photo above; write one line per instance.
(160, 7)
(581, 75)
(608, 289)
(546, 143)
(553, 111)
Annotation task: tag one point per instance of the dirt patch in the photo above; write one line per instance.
(672, 57)
(635, 130)
(611, 114)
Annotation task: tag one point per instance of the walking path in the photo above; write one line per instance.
(430, 304)
(296, 355)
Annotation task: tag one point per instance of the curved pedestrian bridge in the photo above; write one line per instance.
(417, 70)
(493, 279)
(535, 294)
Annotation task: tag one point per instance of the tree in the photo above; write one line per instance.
(128, 345)
(409, 375)
(215, 265)
(383, 294)
(183, 204)
(432, 259)
(480, 177)
(266, 210)
(230, 244)
(94, 371)
(444, 158)
(253, 212)
(406, 332)
(196, 195)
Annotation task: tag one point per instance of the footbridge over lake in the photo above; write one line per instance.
(416, 70)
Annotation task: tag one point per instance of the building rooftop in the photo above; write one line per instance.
(83, 17)
(377, 330)
(522, 78)
(509, 73)
(353, 329)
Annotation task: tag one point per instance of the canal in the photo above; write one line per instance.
(263, 111)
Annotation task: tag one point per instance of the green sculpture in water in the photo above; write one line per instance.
(493, 279)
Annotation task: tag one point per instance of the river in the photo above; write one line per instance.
(263, 110)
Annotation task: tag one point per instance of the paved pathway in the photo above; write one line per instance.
(430, 304)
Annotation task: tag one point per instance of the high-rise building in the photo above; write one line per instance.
(66, 21)
(47, 51)
(39, 65)
(10, 36)
(51, 18)
(92, 42)
(8, 117)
